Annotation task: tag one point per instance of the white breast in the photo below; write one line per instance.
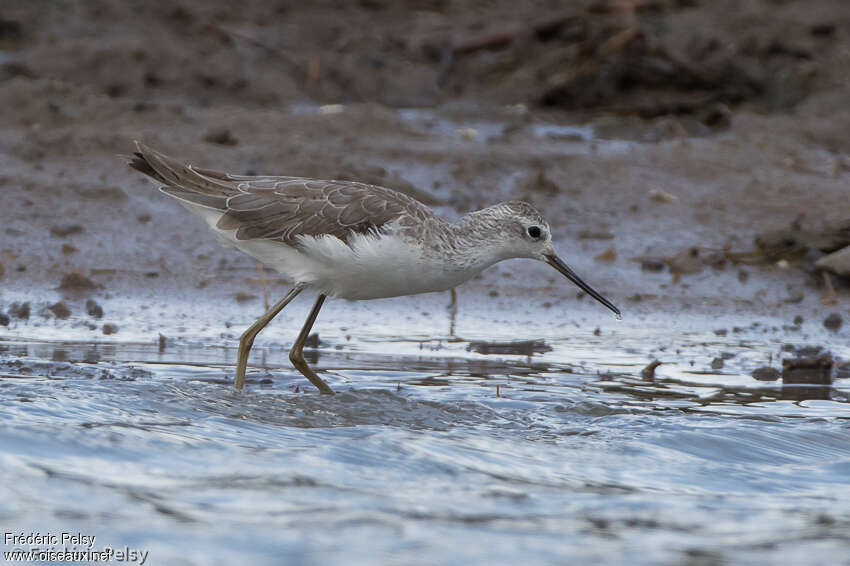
(369, 266)
(373, 266)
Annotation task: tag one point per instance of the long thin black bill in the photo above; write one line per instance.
(556, 262)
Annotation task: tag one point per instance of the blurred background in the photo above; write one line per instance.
(691, 156)
(661, 136)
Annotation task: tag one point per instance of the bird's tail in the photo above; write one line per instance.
(174, 175)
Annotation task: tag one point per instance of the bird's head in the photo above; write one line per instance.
(517, 230)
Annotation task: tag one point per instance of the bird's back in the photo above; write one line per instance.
(325, 233)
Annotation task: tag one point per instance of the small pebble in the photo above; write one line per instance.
(60, 310)
(77, 282)
(93, 309)
(110, 328)
(833, 322)
(66, 230)
(221, 136)
(653, 265)
(20, 310)
(766, 374)
(649, 371)
(468, 134)
(662, 196)
(329, 109)
(608, 255)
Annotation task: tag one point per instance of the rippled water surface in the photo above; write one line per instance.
(429, 453)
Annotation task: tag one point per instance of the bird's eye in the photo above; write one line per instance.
(534, 231)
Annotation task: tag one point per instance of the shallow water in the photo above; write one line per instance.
(429, 453)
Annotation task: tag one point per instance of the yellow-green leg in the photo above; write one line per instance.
(247, 338)
(296, 356)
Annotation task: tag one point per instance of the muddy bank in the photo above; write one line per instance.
(646, 204)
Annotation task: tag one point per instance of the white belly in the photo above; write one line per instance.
(368, 267)
(373, 267)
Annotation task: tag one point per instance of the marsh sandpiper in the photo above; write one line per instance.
(349, 240)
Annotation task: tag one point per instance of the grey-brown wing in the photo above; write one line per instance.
(280, 208)
(283, 208)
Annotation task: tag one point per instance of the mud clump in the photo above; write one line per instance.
(66, 230)
(766, 374)
(20, 310)
(102, 193)
(521, 347)
(833, 322)
(77, 282)
(807, 378)
(810, 370)
(110, 328)
(4, 319)
(60, 310)
(93, 309)
(648, 372)
(312, 341)
(607, 256)
(652, 265)
(221, 136)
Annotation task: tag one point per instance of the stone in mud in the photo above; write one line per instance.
(686, 262)
(815, 371)
(833, 321)
(110, 328)
(102, 193)
(807, 378)
(652, 265)
(60, 310)
(649, 371)
(66, 230)
(520, 347)
(717, 363)
(607, 256)
(93, 309)
(221, 136)
(20, 310)
(312, 341)
(766, 374)
(77, 282)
